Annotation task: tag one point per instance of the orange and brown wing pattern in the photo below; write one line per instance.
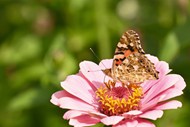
(130, 65)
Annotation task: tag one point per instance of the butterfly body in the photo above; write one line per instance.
(130, 65)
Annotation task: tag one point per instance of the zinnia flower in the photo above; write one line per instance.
(92, 97)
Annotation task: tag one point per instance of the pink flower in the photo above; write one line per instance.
(91, 101)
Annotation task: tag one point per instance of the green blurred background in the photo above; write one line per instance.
(43, 41)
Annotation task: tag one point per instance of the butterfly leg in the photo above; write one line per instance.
(126, 86)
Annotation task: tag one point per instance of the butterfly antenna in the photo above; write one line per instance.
(97, 57)
(99, 61)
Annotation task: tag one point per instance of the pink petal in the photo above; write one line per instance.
(174, 91)
(163, 69)
(127, 123)
(144, 123)
(154, 96)
(180, 84)
(174, 104)
(106, 63)
(161, 66)
(75, 103)
(73, 113)
(56, 96)
(132, 113)
(79, 87)
(89, 83)
(152, 58)
(112, 120)
(153, 114)
(68, 101)
(169, 93)
(84, 120)
(150, 104)
(165, 83)
(148, 84)
(92, 72)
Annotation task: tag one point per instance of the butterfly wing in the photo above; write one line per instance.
(130, 63)
(136, 68)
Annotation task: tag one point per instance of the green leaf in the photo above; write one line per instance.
(98, 125)
(24, 100)
(170, 48)
(22, 49)
(26, 74)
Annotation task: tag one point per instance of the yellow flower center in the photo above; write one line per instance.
(118, 100)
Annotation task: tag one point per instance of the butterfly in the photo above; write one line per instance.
(130, 65)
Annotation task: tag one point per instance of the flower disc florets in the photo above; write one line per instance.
(118, 100)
